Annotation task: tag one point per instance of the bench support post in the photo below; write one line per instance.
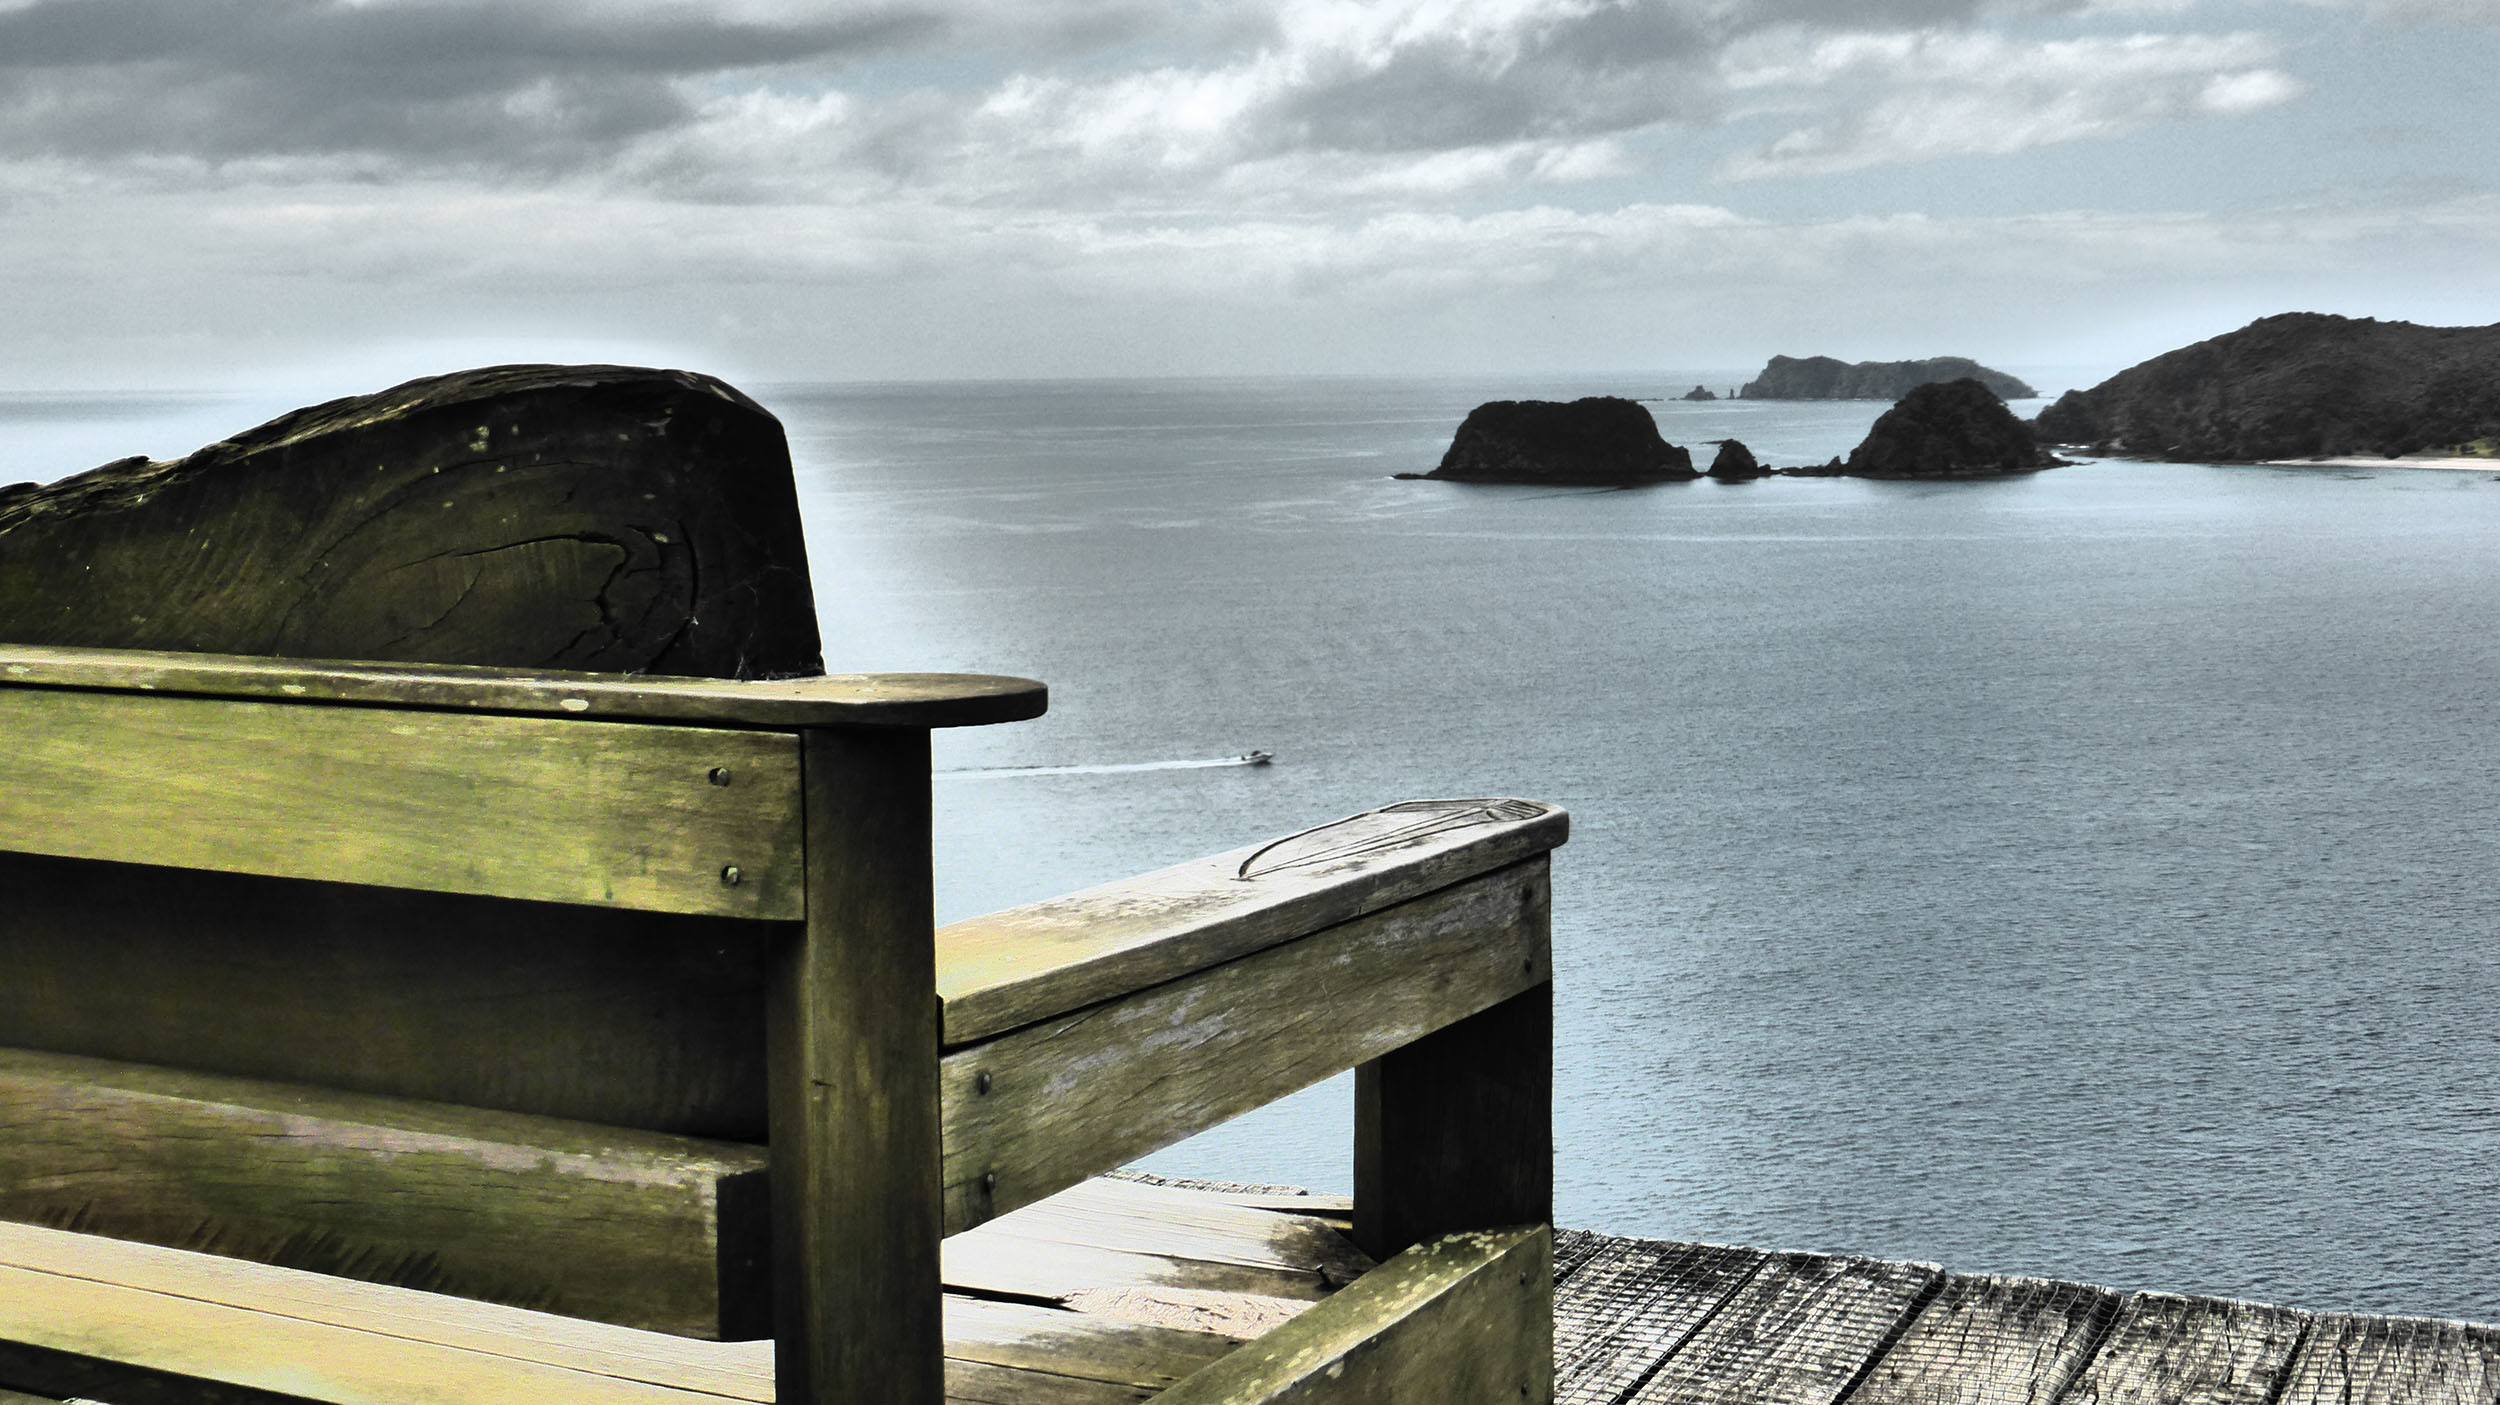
(1456, 1130)
(852, 1044)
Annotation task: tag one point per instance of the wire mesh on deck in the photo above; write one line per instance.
(1630, 1303)
(1991, 1341)
(2395, 1361)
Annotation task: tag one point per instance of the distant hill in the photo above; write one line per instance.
(1822, 378)
(2300, 385)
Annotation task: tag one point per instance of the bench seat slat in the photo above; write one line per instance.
(620, 815)
(282, 1334)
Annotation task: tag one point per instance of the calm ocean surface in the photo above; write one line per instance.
(2088, 874)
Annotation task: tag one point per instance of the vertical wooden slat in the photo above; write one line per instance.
(1456, 1130)
(852, 1043)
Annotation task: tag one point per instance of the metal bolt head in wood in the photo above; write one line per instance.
(730, 876)
(719, 775)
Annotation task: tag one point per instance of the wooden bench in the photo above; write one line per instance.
(375, 1033)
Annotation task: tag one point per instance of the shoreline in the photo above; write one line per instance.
(2450, 464)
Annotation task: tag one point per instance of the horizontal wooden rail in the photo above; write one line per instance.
(595, 1014)
(1038, 1110)
(1012, 968)
(836, 700)
(667, 1233)
(657, 818)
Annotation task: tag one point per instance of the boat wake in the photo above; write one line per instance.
(991, 773)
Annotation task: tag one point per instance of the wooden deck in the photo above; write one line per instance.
(1117, 1289)
(1643, 1322)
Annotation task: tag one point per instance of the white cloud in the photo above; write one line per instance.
(1918, 97)
(2423, 11)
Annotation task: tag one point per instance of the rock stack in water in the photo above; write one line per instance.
(593, 517)
(1735, 463)
(1599, 441)
(1953, 429)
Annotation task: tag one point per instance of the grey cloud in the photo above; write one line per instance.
(222, 80)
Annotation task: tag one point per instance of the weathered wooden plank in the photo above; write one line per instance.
(1120, 1213)
(573, 516)
(1156, 1255)
(1991, 1341)
(638, 1228)
(1038, 1110)
(1630, 1305)
(979, 1383)
(669, 819)
(358, 1313)
(2165, 1348)
(1013, 968)
(852, 1044)
(45, 1318)
(596, 1014)
(1024, 1337)
(165, 1325)
(921, 700)
(1456, 1130)
(1464, 1320)
(2349, 1360)
(1796, 1333)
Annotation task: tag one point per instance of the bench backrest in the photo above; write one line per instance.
(676, 908)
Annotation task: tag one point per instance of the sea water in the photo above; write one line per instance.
(2084, 874)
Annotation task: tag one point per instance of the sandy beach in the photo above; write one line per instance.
(2459, 464)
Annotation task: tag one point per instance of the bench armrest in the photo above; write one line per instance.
(1093, 1029)
(1012, 968)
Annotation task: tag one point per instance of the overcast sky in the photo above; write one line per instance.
(265, 192)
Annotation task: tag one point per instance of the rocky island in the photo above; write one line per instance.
(1736, 463)
(1952, 429)
(1596, 441)
(1699, 392)
(1823, 378)
(2298, 385)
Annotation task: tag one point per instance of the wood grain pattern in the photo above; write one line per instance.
(1464, 1320)
(979, 1383)
(851, 1057)
(2165, 1349)
(1456, 1130)
(1120, 1213)
(2395, 1361)
(601, 517)
(1991, 1341)
(651, 1231)
(1013, 968)
(163, 1325)
(1038, 1110)
(920, 700)
(615, 815)
(1630, 1304)
(1156, 1255)
(1796, 1333)
(594, 1014)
